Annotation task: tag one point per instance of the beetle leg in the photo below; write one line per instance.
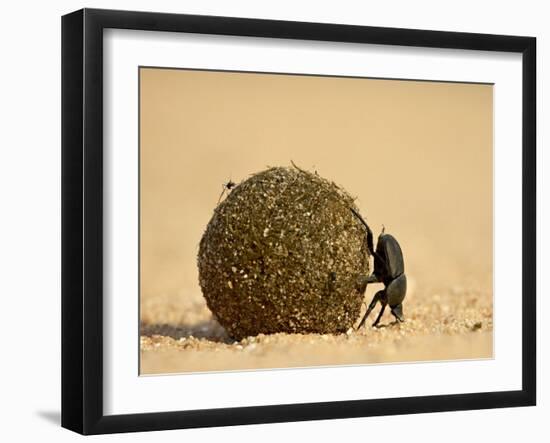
(363, 281)
(361, 284)
(372, 279)
(378, 297)
(375, 300)
(380, 315)
(370, 245)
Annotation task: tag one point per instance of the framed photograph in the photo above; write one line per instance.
(269, 221)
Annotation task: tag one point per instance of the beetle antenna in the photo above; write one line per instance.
(383, 229)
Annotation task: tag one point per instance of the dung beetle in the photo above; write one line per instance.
(389, 269)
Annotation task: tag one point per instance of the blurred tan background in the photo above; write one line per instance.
(418, 155)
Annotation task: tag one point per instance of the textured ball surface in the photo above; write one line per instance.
(282, 253)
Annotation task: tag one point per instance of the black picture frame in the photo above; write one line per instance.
(82, 218)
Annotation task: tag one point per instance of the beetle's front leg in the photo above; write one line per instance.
(384, 304)
(378, 297)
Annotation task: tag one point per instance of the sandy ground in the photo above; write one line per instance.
(180, 335)
(418, 157)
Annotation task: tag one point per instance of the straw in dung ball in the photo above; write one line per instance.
(283, 253)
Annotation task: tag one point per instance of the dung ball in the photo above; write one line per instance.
(283, 253)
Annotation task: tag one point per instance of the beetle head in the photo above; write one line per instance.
(397, 311)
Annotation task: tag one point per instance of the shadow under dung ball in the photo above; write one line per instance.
(282, 253)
